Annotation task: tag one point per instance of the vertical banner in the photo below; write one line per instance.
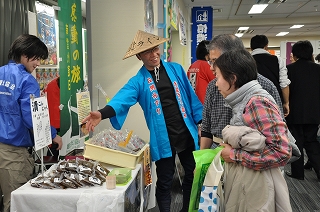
(202, 26)
(71, 71)
(169, 46)
(168, 30)
(148, 16)
(163, 27)
(182, 29)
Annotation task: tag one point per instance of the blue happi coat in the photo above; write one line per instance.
(141, 88)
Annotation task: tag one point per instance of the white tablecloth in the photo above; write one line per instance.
(95, 199)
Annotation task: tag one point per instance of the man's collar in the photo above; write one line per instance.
(259, 51)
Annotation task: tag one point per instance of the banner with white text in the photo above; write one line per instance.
(202, 27)
(71, 71)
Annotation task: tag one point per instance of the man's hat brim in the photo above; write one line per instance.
(143, 41)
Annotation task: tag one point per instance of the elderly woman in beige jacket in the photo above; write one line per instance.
(252, 178)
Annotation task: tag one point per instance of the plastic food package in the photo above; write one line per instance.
(122, 175)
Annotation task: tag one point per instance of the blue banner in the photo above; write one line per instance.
(202, 25)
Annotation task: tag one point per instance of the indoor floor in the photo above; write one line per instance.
(304, 194)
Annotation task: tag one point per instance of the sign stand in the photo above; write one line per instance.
(41, 125)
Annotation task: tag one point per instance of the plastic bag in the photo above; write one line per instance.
(209, 200)
(203, 159)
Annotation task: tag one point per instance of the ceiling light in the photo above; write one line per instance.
(217, 10)
(239, 35)
(257, 8)
(243, 28)
(282, 33)
(296, 26)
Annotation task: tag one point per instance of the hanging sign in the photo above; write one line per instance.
(202, 26)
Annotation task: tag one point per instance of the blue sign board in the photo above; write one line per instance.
(202, 25)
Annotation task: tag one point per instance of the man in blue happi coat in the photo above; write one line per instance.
(171, 109)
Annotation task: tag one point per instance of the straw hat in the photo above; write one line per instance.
(143, 41)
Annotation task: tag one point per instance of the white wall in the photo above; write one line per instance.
(179, 52)
(113, 26)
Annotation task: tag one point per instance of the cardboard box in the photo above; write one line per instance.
(113, 157)
(76, 153)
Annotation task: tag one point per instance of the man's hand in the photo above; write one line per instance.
(58, 140)
(92, 120)
(286, 109)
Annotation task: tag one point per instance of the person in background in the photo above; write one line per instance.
(171, 109)
(291, 58)
(16, 86)
(304, 116)
(271, 67)
(53, 96)
(257, 170)
(199, 73)
(216, 115)
(317, 58)
(308, 165)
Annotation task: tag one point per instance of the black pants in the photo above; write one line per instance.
(165, 171)
(306, 137)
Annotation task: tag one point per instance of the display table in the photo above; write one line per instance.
(86, 199)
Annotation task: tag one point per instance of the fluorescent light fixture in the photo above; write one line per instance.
(282, 33)
(296, 26)
(257, 8)
(239, 35)
(243, 28)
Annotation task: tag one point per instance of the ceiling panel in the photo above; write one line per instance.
(276, 17)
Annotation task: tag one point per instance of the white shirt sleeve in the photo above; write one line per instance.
(283, 74)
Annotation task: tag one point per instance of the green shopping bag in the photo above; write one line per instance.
(203, 159)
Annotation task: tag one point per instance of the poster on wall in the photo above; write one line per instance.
(202, 22)
(46, 32)
(173, 10)
(71, 72)
(44, 76)
(84, 108)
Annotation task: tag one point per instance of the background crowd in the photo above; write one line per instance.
(228, 88)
